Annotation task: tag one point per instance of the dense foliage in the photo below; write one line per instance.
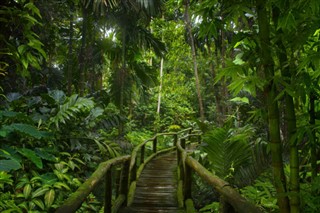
(82, 81)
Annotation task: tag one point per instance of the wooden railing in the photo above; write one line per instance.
(104, 171)
(131, 168)
(139, 157)
(187, 165)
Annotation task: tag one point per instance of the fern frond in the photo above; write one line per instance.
(71, 108)
(108, 148)
(226, 154)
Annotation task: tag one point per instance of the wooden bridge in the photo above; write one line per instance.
(160, 182)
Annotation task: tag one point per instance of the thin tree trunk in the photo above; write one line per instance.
(82, 57)
(122, 74)
(224, 90)
(160, 87)
(313, 147)
(194, 58)
(290, 119)
(267, 66)
(70, 59)
(215, 87)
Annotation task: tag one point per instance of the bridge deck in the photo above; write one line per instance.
(157, 187)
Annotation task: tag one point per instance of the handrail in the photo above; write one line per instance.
(128, 177)
(104, 169)
(135, 170)
(186, 163)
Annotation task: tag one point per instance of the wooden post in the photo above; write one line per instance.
(175, 136)
(117, 175)
(187, 182)
(155, 144)
(190, 131)
(183, 143)
(133, 175)
(124, 181)
(142, 155)
(199, 139)
(108, 191)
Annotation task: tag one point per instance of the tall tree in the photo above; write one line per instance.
(194, 57)
(267, 67)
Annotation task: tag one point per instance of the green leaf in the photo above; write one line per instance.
(37, 45)
(45, 155)
(27, 190)
(27, 129)
(24, 62)
(31, 19)
(241, 100)
(49, 198)
(8, 165)
(22, 49)
(31, 155)
(48, 179)
(58, 95)
(39, 203)
(39, 192)
(5, 179)
(60, 185)
(33, 8)
(287, 22)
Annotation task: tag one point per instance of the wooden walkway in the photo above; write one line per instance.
(157, 187)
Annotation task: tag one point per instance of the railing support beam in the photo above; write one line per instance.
(155, 141)
(108, 192)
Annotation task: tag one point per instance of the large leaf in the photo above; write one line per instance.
(8, 165)
(41, 152)
(25, 129)
(31, 155)
(49, 198)
(58, 95)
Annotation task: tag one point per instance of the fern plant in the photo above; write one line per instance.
(71, 108)
(226, 151)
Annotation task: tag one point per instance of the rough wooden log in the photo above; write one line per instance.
(76, 199)
(230, 194)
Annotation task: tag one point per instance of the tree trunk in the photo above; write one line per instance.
(70, 58)
(194, 58)
(121, 76)
(290, 119)
(313, 147)
(160, 87)
(267, 65)
(82, 56)
(215, 87)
